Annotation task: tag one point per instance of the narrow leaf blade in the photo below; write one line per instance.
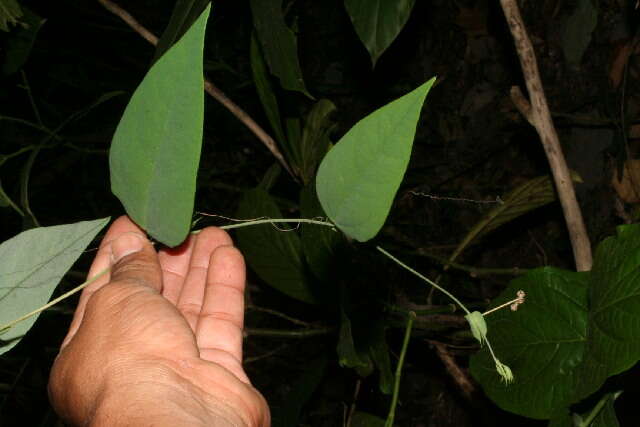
(278, 44)
(32, 264)
(315, 142)
(266, 94)
(156, 148)
(185, 13)
(378, 22)
(359, 177)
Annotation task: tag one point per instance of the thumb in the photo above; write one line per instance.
(134, 260)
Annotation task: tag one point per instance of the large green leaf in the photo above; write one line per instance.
(185, 13)
(156, 148)
(378, 22)
(275, 255)
(278, 44)
(614, 325)
(31, 265)
(359, 177)
(10, 14)
(542, 343)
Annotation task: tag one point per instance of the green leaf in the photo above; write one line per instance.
(5, 201)
(315, 141)
(606, 414)
(20, 42)
(31, 265)
(156, 148)
(378, 22)
(29, 220)
(349, 356)
(185, 13)
(10, 13)
(614, 296)
(266, 94)
(278, 44)
(531, 195)
(321, 245)
(379, 353)
(359, 177)
(543, 343)
(275, 255)
(578, 30)
(603, 414)
(288, 413)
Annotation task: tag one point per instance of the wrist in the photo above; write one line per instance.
(164, 397)
(158, 406)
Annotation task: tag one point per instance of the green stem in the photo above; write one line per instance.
(278, 220)
(429, 281)
(55, 301)
(396, 384)
(34, 106)
(598, 408)
(279, 314)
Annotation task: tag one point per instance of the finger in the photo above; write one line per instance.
(101, 262)
(222, 318)
(192, 294)
(175, 265)
(135, 262)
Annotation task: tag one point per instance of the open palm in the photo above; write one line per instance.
(165, 320)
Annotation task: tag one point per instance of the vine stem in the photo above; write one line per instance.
(426, 279)
(277, 221)
(80, 287)
(56, 300)
(396, 383)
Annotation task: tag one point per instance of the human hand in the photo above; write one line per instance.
(158, 340)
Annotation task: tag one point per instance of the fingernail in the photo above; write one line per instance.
(126, 244)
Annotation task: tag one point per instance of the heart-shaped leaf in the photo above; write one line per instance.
(614, 296)
(542, 342)
(359, 177)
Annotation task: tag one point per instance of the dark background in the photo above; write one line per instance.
(471, 144)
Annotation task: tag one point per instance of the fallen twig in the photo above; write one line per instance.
(537, 113)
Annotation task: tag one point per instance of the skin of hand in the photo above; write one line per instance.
(158, 340)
